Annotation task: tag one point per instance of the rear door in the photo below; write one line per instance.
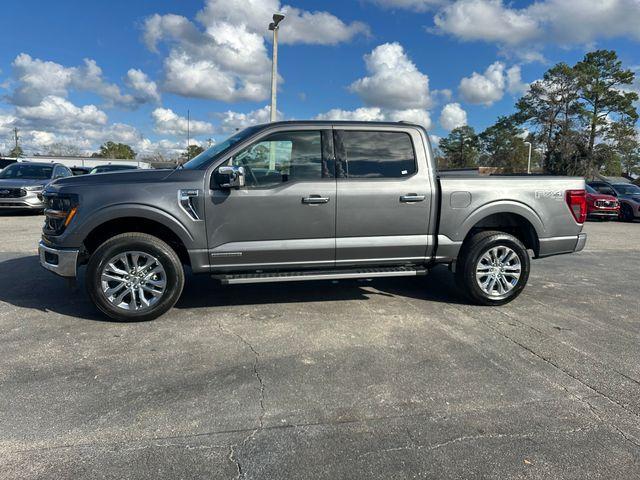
(285, 215)
(384, 197)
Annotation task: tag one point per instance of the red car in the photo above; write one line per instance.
(600, 206)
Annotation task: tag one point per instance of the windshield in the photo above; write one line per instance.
(219, 148)
(590, 189)
(25, 171)
(627, 189)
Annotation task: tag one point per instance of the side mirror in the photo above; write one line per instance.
(229, 177)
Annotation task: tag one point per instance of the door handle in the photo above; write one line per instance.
(412, 197)
(315, 199)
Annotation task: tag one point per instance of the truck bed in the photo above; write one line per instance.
(538, 200)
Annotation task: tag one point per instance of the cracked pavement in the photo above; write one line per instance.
(395, 378)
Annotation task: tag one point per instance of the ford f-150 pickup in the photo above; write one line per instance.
(308, 200)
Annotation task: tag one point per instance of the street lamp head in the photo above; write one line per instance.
(277, 18)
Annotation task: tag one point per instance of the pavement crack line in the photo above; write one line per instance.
(466, 438)
(569, 374)
(233, 458)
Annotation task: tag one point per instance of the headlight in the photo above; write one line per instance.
(34, 188)
(60, 210)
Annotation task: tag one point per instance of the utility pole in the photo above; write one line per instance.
(277, 18)
(529, 161)
(16, 139)
(188, 134)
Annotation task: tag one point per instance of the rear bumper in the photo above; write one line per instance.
(559, 245)
(59, 261)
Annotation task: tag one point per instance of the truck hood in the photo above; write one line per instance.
(133, 176)
(19, 183)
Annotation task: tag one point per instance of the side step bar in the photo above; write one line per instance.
(299, 276)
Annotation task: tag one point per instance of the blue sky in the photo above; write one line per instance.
(80, 73)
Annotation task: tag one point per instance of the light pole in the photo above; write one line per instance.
(273, 26)
(529, 161)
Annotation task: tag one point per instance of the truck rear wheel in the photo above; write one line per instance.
(134, 277)
(493, 268)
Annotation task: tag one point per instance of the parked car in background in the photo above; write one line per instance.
(5, 162)
(601, 206)
(628, 196)
(80, 170)
(111, 168)
(21, 184)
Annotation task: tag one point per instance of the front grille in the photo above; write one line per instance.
(12, 193)
(606, 203)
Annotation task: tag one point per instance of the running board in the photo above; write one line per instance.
(299, 276)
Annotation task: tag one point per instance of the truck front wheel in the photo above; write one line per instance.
(493, 268)
(134, 277)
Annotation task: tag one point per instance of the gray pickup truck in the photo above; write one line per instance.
(291, 201)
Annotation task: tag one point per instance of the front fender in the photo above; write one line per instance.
(85, 223)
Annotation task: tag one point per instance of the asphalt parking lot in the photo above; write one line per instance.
(386, 379)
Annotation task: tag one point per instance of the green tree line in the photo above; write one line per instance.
(581, 120)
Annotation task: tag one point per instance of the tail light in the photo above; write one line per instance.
(577, 201)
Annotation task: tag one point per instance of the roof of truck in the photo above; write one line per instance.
(340, 122)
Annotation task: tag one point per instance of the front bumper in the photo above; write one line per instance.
(63, 262)
(31, 201)
(603, 214)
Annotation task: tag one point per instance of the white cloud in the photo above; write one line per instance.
(414, 5)
(376, 114)
(145, 90)
(231, 121)
(565, 22)
(227, 59)
(365, 114)
(585, 21)
(453, 116)
(299, 26)
(489, 87)
(167, 122)
(59, 113)
(411, 115)
(36, 79)
(89, 78)
(487, 20)
(485, 88)
(394, 81)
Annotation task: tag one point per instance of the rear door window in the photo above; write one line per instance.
(371, 155)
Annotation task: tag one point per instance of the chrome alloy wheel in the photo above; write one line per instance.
(133, 281)
(498, 271)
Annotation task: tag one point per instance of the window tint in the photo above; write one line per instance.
(283, 157)
(378, 154)
(60, 172)
(27, 171)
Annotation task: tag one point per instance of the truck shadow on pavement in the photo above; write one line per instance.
(24, 284)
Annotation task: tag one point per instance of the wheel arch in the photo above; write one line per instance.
(147, 220)
(513, 218)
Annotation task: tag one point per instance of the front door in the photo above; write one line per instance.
(284, 217)
(384, 197)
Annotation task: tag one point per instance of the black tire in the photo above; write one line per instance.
(626, 213)
(135, 242)
(472, 252)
